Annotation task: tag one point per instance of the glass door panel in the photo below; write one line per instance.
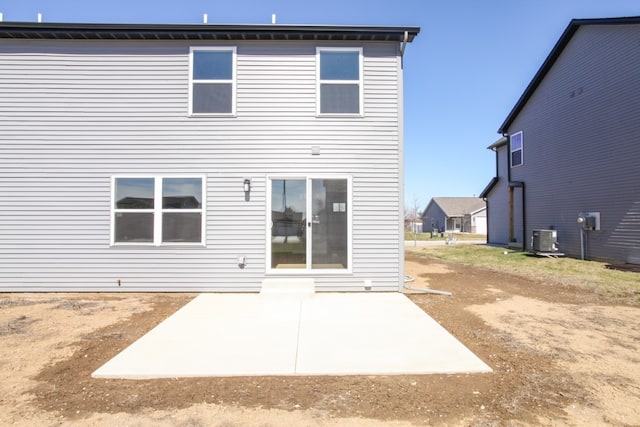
(329, 224)
(288, 218)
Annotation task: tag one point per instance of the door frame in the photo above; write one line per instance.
(308, 270)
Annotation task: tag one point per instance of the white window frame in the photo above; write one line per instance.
(360, 82)
(158, 211)
(233, 81)
(521, 149)
(309, 270)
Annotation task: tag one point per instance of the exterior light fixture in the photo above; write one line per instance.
(246, 185)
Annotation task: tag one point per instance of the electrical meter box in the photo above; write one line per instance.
(589, 220)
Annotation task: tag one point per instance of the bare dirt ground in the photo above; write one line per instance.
(560, 355)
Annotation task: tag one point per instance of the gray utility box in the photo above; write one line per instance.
(544, 241)
(589, 220)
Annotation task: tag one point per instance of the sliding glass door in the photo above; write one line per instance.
(329, 225)
(309, 223)
(288, 223)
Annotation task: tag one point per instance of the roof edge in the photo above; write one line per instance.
(499, 143)
(231, 31)
(562, 42)
(485, 193)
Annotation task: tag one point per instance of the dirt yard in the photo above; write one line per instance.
(560, 355)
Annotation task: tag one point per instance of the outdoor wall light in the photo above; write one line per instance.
(247, 185)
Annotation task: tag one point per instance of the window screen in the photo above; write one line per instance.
(181, 204)
(339, 98)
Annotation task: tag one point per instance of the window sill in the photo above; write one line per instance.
(340, 115)
(164, 245)
(209, 116)
(305, 272)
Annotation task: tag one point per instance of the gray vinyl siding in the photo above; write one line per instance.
(498, 202)
(73, 114)
(434, 217)
(581, 133)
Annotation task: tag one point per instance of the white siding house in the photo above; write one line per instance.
(200, 157)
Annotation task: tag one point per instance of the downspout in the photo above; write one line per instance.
(524, 220)
(511, 226)
(401, 163)
(486, 204)
(508, 157)
(495, 150)
(403, 47)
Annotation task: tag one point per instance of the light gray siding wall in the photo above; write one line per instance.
(73, 114)
(582, 143)
(498, 202)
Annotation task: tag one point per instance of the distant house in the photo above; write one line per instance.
(162, 157)
(571, 147)
(455, 214)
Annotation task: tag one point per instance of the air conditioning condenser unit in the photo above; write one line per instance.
(544, 241)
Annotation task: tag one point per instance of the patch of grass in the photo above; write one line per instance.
(620, 285)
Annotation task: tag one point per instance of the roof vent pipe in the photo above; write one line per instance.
(205, 18)
(39, 18)
(1, 16)
(273, 18)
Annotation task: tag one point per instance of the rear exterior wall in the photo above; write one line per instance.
(73, 114)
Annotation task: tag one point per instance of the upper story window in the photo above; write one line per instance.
(157, 210)
(212, 81)
(516, 145)
(339, 85)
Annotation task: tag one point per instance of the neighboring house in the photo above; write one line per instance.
(200, 157)
(455, 214)
(572, 147)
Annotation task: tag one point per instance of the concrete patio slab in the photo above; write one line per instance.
(297, 334)
(376, 333)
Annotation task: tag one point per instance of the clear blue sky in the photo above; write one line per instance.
(463, 73)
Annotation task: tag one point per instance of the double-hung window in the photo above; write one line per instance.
(516, 146)
(212, 81)
(339, 82)
(158, 210)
